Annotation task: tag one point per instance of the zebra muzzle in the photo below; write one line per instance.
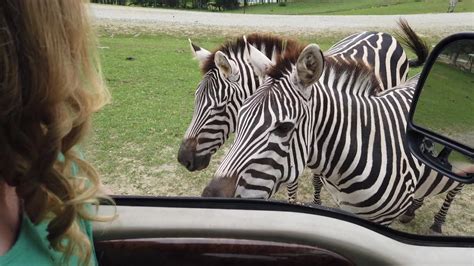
(223, 187)
(188, 157)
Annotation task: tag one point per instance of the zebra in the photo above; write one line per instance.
(331, 116)
(228, 80)
(382, 53)
(452, 5)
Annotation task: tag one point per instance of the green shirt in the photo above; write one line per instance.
(32, 246)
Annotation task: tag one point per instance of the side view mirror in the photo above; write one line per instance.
(440, 128)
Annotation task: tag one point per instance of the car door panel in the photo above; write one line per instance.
(219, 222)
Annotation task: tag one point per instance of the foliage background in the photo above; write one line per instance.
(305, 7)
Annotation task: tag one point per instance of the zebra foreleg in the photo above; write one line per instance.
(292, 192)
(440, 217)
(409, 215)
(317, 184)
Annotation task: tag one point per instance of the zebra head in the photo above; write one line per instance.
(228, 80)
(271, 146)
(216, 105)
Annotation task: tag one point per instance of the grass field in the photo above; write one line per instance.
(136, 138)
(358, 7)
(453, 114)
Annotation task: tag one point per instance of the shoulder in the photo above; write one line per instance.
(32, 240)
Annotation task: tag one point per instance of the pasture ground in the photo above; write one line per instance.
(359, 7)
(136, 138)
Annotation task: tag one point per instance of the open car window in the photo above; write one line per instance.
(143, 142)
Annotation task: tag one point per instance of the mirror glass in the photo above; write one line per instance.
(446, 102)
(448, 159)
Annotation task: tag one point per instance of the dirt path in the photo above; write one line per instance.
(159, 19)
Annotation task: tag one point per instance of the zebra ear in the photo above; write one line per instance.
(259, 61)
(309, 67)
(199, 53)
(227, 67)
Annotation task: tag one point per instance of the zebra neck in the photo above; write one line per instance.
(347, 117)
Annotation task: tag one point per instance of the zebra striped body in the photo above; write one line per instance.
(218, 98)
(332, 117)
(381, 51)
(375, 177)
(383, 54)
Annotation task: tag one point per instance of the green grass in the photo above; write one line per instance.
(449, 89)
(136, 138)
(153, 99)
(358, 7)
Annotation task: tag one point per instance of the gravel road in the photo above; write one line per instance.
(179, 20)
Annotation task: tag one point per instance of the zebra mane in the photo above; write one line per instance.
(358, 69)
(360, 72)
(269, 41)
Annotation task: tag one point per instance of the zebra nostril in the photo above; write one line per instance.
(186, 164)
(185, 154)
(186, 160)
(188, 157)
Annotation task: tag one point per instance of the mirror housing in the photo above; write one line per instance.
(440, 128)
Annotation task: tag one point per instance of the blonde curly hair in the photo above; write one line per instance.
(50, 85)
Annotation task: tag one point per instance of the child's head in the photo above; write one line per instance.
(50, 84)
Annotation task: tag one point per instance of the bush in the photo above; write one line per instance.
(228, 4)
(172, 3)
(282, 4)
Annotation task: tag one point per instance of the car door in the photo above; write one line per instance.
(195, 231)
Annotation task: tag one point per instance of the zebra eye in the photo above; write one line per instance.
(283, 128)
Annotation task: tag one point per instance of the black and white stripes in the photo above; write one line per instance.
(379, 50)
(228, 80)
(219, 96)
(342, 127)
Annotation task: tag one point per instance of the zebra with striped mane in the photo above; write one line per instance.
(331, 116)
(229, 79)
